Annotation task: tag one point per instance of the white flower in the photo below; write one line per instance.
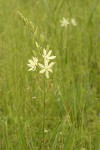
(33, 63)
(34, 97)
(64, 22)
(46, 68)
(46, 55)
(60, 133)
(46, 131)
(73, 21)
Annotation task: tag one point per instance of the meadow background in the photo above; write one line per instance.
(73, 90)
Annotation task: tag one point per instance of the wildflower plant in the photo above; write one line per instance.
(42, 61)
(42, 57)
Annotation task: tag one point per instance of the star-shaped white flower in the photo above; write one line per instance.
(64, 22)
(46, 68)
(73, 21)
(33, 63)
(47, 55)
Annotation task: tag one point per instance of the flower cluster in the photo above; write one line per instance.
(65, 22)
(46, 67)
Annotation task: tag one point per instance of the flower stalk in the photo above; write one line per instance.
(44, 114)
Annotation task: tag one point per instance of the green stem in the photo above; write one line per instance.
(44, 114)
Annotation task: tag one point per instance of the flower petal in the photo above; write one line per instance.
(44, 52)
(30, 61)
(47, 74)
(42, 71)
(42, 66)
(52, 57)
(29, 65)
(50, 70)
(30, 69)
(49, 53)
(51, 64)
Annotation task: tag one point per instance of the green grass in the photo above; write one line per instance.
(72, 92)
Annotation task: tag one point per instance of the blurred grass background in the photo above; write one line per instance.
(73, 93)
